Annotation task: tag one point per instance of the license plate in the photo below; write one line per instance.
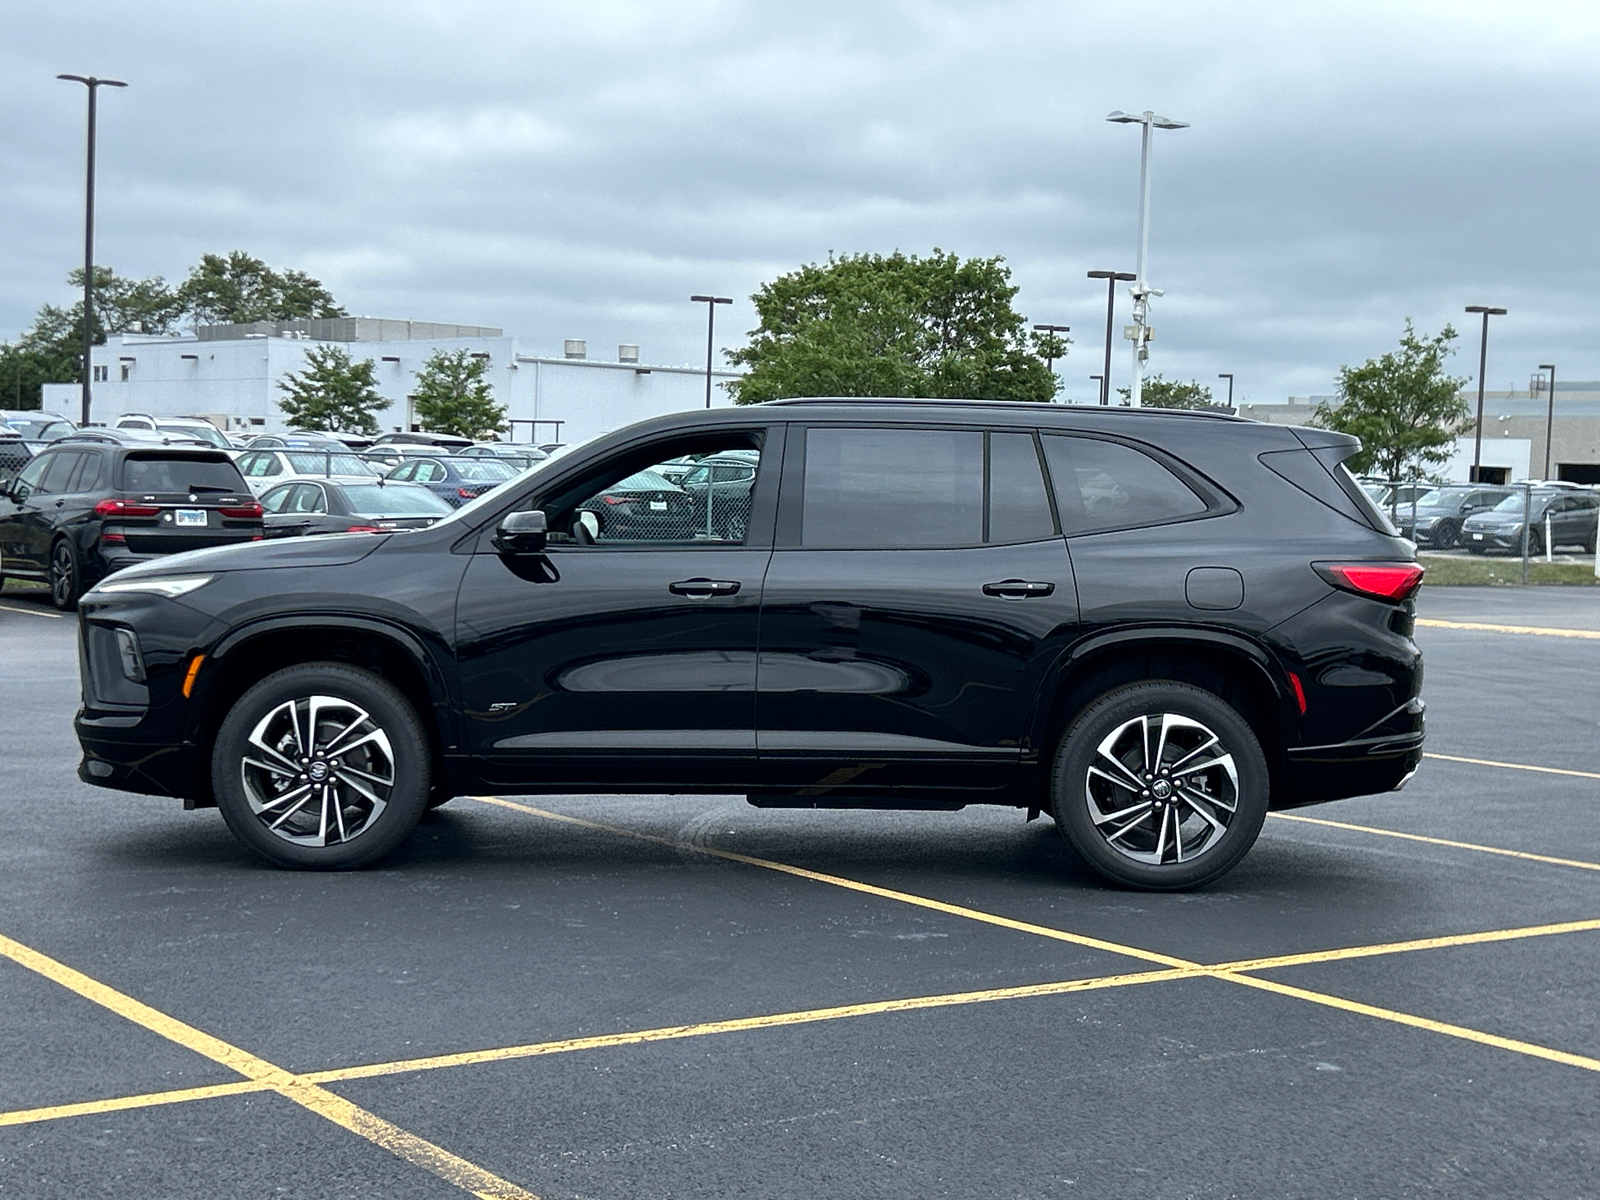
(189, 517)
(1477, 537)
(658, 506)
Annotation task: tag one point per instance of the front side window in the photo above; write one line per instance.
(892, 488)
(27, 480)
(1106, 485)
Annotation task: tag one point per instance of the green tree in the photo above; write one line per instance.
(332, 393)
(453, 396)
(240, 288)
(1157, 392)
(123, 305)
(1405, 409)
(870, 325)
(50, 351)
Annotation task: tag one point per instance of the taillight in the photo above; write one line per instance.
(615, 499)
(363, 529)
(251, 510)
(121, 508)
(466, 493)
(1382, 581)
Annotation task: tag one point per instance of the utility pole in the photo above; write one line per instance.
(1483, 358)
(1228, 375)
(711, 303)
(94, 85)
(1142, 291)
(1550, 419)
(1112, 278)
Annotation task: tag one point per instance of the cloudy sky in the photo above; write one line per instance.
(578, 169)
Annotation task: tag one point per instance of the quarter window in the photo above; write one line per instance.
(1106, 485)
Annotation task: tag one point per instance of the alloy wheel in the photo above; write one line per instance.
(63, 576)
(1162, 789)
(318, 771)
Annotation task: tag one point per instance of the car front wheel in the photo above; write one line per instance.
(321, 766)
(1160, 786)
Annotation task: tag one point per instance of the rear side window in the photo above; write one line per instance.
(1106, 485)
(892, 488)
(87, 477)
(148, 475)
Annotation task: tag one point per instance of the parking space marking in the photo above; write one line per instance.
(1484, 627)
(1579, 863)
(1444, 942)
(91, 1108)
(1224, 972)
(34, 612)
(270, 1077)
(1510, 766)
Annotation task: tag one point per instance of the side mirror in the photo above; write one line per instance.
(521, 533)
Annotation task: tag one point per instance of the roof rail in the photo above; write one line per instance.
(1028, 405)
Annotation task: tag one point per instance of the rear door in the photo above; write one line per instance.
(918, 593)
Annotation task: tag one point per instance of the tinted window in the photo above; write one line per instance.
(58, 471)
(27, 480)
(273, 501)
(370, 500)
(1019, 510)
(152, 475)
(889, 488)
(1106, 485)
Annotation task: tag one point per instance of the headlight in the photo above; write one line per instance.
(170, 586)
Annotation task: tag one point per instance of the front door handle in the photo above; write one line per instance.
(1017, 589)
(703, 589)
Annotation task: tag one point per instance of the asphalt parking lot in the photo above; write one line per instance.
(639, 997)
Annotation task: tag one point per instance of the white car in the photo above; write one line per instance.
(189, 427)
(263, 469)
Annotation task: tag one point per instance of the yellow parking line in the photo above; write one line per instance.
(1485, 627)
(90, 1108)
(270, 1077)
(1510, 766)
(34, 612)
(1433, 841)
(1434, 943)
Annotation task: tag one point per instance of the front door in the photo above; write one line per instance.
(626, 654)
(918, 594)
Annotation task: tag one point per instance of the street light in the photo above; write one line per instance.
(711, 303)
(1111, 278)
(1228, 375)
(1550, 419)
(1483, 358)
(94, 85)
(1052, 330)
(1142, 291)
(1100, 382)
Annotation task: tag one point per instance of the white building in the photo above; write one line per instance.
(230, 374)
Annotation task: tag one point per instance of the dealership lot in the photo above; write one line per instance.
(608, 997)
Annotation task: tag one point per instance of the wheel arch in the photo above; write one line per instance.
(1233, 668)
(248, 655)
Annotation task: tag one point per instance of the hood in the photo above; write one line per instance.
(329, 550)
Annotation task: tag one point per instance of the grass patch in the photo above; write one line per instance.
(1447, 571)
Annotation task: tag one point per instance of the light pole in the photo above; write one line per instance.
(1100, 388)
(711, 303)
(1112, 278)
(1483, 358)
(94, 85)
(1142, 291)
(1228, 375)
(1550, 419)
(1050, 331)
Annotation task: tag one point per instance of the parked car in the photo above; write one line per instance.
(36, 426)
(440, 441)
(518, 454)
(386, 458)
(85, 507)
(130, 437)
(644, 506)
(931, 612)
(1437, 516)
(308, 506)
(1572, 513)
(14, 453)
(190, 427)
(296, 441)
(454, 480)
(263, 469)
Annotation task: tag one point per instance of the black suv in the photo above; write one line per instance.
(1152, 625)
(89, 505)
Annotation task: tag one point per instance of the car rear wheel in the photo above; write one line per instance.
(321, 766)
(1160, 786)
(1447, 535)
(66, 576)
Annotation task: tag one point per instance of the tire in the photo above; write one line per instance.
(66, 575)
(376, 788)
(1101, 758)
(1447, 536)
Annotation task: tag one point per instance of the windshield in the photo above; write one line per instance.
(307, 462)
(1513, 502)
(645, 481)
(39, 429)
(394, 500)
(484, 470)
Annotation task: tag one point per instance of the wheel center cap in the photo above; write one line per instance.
(318, 771)
(1161, 789)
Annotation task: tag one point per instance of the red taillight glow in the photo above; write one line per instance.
(121, 508)
(250, 510)
(1382, 581)
(113, 537)
(615, 499)
(363, 529)
(1299, 692)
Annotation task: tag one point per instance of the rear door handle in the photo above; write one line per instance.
(703, 589)
(1017, 589)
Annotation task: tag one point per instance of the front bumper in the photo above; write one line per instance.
(113, 759)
